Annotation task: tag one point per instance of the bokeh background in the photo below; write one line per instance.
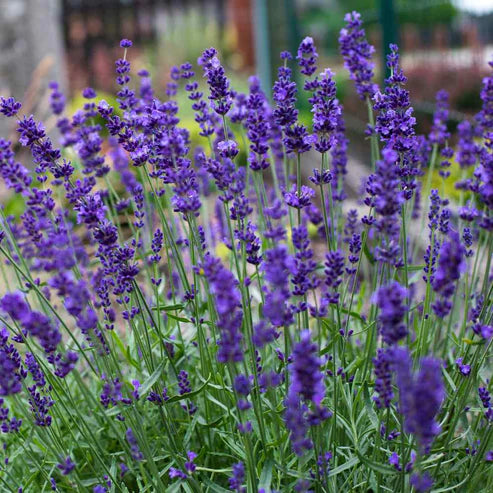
(444, 44)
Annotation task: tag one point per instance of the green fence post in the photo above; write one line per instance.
(389, 31)
(262, 44)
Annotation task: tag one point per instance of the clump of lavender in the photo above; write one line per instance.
(173, 285)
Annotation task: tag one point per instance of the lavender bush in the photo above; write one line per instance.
(207, 318)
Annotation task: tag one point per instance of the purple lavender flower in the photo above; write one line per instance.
(467, 149)
(338, 153)
(237, 478)
(464, 369)
(306, 386)
(351, 225)
(304, 279)
(326, 111)
(66, 466)
(203, 113)
(357, 54)
(297, 140)
(9, 106)
(111, 393)
(354, 252)
(242, 385)
(394, 460)
(284, 95)
(123, 469)
(484, 172)
(300, 199)
(270, 379)
(302, 486)
(189, 464)
(57, 99)
(307, 57)
(176, 473)
(334, 269)
(263, 334)
(385, 194)
(450, 266)
(35, 371)
(126, 97)
(34, 323)
(134, 446)
(251, 242)
(277, 266)
(421, 482)
(184, 382)
(383, 378)
(156, 246)
(485, 397)
(224, 288)
(228, 149)
(438, 133)
(11, 372)
(239, 112)
(420, 396)
(186, 198)
(220, 92)
(15, 305)
(294, 417)
(40, 406)
(257, 124)
(485, 116)
(395, 123)
(306, 377)
(15, 175)
(30, 131)
(391, 301)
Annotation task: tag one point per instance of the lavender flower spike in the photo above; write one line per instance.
(357, 54)
(307, 379)
(224, 288)
(391, 303)
(307, 57)
(420, 396)
(220, 92)
(306, 386)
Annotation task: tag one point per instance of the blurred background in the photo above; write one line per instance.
(444, 43)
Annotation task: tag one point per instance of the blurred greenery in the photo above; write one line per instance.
(447, 188)
(325, 23)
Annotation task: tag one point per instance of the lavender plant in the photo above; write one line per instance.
(181, 316)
